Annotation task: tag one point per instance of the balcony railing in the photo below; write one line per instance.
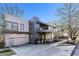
(45, 30)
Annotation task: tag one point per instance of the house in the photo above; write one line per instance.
(17, 31)
(40, 32)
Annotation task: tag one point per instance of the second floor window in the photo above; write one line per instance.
(9, 25)
(21, 26)
(14, 26)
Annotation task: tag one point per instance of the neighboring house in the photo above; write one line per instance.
(17, 31)
(40, 32)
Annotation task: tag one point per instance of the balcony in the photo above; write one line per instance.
(45, 30)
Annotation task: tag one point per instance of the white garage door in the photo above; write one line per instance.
(12, 40)
(20, 40)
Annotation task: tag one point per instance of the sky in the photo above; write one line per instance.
(45, 11)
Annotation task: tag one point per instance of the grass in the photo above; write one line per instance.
(7, 52)
(65, 44)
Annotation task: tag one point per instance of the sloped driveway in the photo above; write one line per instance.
(42, 50)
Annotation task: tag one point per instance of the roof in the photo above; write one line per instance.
(45, 24)
(36, 19)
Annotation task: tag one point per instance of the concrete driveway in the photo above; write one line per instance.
(42, 50)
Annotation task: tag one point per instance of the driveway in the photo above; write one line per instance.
(42, 50)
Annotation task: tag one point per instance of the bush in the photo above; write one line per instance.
(1, 44)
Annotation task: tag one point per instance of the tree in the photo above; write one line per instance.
(69, 15)
(11, 10)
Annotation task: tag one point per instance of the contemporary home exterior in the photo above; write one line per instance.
(19, 32)
(40, 32)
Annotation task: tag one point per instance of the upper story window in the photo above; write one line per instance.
(21, 26)
(14, 26)
(11, 26)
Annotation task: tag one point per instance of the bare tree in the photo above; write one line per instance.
(69, 15)
(10, 9)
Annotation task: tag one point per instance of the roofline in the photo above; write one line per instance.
(45, 24)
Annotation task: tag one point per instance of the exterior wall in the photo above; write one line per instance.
(13, 39)
(19, 21)
(33, 29)
(50, 36)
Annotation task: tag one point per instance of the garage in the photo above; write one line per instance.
(16, 39)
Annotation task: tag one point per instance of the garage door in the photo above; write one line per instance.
(16, 40)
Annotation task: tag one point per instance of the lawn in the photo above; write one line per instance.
(65, 44)
(6, 52)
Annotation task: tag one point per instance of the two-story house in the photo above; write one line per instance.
(19, 31)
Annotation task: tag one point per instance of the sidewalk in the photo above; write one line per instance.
(57, 43)
(65, 50)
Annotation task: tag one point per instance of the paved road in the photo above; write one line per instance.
(76, 50)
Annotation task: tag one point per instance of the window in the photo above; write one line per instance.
(21, 26)
(9, 25)
(14, 26)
